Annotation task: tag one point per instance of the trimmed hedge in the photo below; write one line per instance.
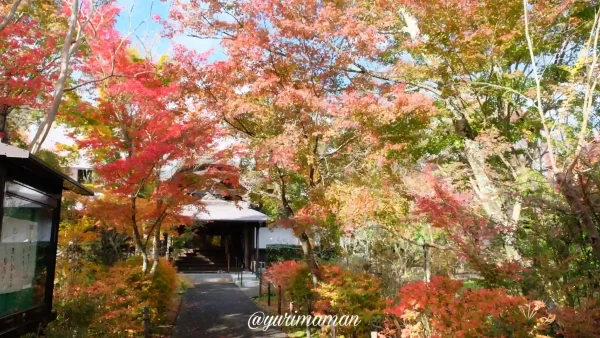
(283, 252)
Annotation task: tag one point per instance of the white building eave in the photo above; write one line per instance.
(219, 210)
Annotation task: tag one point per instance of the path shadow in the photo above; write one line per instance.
(219, 310)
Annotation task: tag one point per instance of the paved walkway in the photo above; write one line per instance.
(250, 283)
(218, 309)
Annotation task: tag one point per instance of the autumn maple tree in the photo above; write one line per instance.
(29, 38)
(463, 127)
(291, 89)
(409, 140)
(146, 145)
(45, 45)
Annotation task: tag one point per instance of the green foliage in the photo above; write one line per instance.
(283, 252)
(340, 292)
(50, 158)
(75, 316)
(345, 292)
(109, 249)
(299, 290)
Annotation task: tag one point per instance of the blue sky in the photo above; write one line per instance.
(149, 31)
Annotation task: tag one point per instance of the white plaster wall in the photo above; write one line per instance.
(276, 236)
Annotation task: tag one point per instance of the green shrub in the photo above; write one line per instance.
(75, 315)
(282, 253)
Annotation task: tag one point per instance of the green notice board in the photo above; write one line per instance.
(17, 265)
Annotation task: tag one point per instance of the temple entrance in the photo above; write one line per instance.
(225, 237)
(219, 246)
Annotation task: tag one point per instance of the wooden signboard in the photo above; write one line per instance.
(30, 195)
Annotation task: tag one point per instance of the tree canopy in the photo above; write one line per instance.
(452, 136)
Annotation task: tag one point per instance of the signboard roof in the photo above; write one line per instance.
(25, 158)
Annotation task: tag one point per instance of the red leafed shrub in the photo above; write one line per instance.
(580, 322)
(295, 281)
(282, 273)
(444, 308)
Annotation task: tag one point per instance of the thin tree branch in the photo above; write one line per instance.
(106, 78)
(333, 152)
(501, 87)
(591, 83)
(538, 90)
(8, 18)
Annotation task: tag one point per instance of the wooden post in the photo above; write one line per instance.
(256, 266)
(247, 242)
(259, 283)
(308, 333)
(228, 262)
(269, 294)
(279, 300)
(427, 263)
(146, 322)
(168, 244)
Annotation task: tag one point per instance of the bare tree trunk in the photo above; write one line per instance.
(145, 261)
(154, 247)
(307, 248)
(139, 247)
(4, 111)
(492, 202)
(59, 88)
(168, 248)
(309, 254)
(137, 237)
(155, 250)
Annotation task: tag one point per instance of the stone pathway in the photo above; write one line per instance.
(217, 308)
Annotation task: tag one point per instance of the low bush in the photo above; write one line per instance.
(445, 308)
(442, 308)
(283, 252)
(347, 292)
(283, 273)
(583, 321)
(339, 292)
(113, 305)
